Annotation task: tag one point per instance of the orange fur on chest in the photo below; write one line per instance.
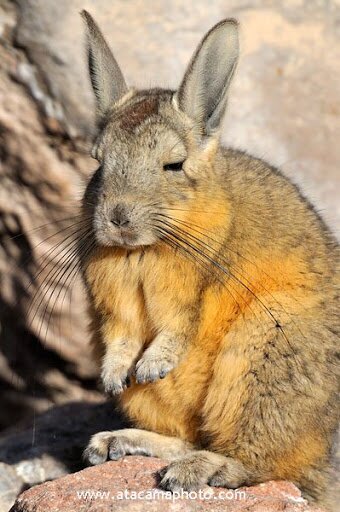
(139, 290)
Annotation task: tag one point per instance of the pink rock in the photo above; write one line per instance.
(130, 484)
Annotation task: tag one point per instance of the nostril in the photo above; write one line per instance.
(115, 222)
(119, 222)
(119, 217)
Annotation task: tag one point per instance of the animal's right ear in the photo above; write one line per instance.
(106, 77)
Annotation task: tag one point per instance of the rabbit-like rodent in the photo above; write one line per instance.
(212, 286)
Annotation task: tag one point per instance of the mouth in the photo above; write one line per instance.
(118, 240)
(123, 239)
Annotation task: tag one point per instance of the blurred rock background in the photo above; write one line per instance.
(284, 107)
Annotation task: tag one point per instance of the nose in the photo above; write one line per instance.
(120, 217)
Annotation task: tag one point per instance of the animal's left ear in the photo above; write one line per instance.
(202, 94)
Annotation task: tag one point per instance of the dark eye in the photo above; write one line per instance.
(175, 166)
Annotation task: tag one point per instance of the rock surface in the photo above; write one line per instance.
(52, 445)
(10, 486)
(131, 484)
(43, 342)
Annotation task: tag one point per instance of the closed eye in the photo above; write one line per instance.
(175, 166)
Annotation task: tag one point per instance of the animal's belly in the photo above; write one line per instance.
(175, 405)
(172, 406)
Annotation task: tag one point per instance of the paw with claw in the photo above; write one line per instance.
(113, 446)
(151, 368)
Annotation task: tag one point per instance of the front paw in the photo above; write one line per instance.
(103, 446)
(115, 379)
(150, 368)
(113, 446)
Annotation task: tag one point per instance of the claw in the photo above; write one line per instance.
(151, 370)
(93, 456)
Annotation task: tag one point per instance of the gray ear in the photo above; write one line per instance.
(202, 94)
(106, 77)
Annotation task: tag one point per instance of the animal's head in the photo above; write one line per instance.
(155, 148)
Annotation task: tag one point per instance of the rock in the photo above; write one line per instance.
(60, 434)
(51, 446)
(10, 486)
(44, 357)
(130, 484)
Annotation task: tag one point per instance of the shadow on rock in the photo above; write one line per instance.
(52, 445)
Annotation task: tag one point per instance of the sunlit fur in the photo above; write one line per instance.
(238, 273)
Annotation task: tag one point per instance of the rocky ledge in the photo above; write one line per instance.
(130, 484)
